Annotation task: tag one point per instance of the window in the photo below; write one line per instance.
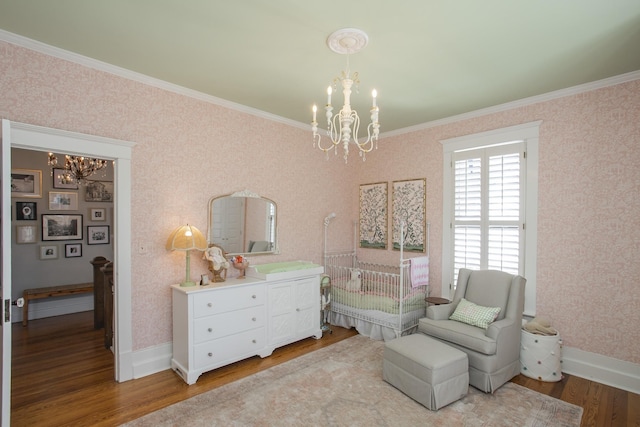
(489, 212)
(487, 221)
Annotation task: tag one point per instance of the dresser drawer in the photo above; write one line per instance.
(227, 299)
(230, 348)
(224, 324)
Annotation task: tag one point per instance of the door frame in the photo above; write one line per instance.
(38, 138)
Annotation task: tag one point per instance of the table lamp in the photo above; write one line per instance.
(187, 238)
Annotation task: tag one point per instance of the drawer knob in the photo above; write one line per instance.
(210, 329)
(253, 341)
(210, 354)
(210, 304)
(254, 319)
(297, 309)
(253, 296)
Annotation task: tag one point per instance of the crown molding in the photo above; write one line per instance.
(561, 93)
(180, 90)
(140, 78)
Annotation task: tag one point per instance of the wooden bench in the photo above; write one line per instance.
(51, 292)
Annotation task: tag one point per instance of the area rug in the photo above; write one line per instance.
(341, 385)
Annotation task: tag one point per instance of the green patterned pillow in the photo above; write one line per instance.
(473, 314)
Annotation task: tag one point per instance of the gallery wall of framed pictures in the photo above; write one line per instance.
(58, 218)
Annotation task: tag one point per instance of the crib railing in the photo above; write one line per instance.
(372, 292)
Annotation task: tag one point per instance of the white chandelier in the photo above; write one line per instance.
(344, 126)
(77, 168)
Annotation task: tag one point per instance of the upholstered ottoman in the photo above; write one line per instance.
(429, 371)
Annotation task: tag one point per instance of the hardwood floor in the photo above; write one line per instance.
(63, 376)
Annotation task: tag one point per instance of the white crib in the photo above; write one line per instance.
(378, 300)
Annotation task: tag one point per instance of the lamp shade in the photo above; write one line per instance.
(186, 238)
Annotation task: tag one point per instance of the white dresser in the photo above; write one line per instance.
(222, 323)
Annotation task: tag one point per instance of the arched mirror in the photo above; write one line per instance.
(243, 223)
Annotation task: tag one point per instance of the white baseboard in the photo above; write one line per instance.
(152, 360)
(603, 369)
(42, 308)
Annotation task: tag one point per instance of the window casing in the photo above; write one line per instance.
(490, 205)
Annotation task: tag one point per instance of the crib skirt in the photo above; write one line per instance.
(366, 328)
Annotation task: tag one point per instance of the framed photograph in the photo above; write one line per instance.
(99, 191)
(57, 180)
(97, 214)
(61, 227)
(26, 234)
(48, 252)
(373, 215)
(73, 250)
(409, 202)
(26, 211)
(59, 201)
(26, 183)
(98, 235)
(204, 280)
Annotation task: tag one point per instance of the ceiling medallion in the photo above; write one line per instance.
(347, 41)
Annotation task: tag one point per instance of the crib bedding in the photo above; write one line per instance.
(374, 301)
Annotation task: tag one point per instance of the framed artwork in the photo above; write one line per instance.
(98, 235)
(99, 191)
(97, 214)
(409, 202)
(48, 252)
(373, 215)
(59, 201)
(61, 227)
(58, 183)
(26, 183)
(26, 234)
(73, 250)
(26, 211)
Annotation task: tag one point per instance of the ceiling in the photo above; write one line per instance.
(427, 59)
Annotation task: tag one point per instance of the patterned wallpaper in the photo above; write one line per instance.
(188, 151)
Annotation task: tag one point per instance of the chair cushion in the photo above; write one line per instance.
(489, 288)
(459, 333)
(473, 314)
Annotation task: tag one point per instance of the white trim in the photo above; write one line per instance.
(161, 84)
(141, 78)
(529, 132)
(549, 96)
(152, 360)
(31, 137)
(602, 369)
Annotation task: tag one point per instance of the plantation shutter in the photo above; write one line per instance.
(488, 209)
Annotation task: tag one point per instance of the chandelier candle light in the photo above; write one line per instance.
(344, 126)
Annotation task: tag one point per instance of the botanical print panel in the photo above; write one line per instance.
(409, 207)
(373, 215)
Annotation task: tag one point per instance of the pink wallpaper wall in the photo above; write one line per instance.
(588, 209)
(588, 205)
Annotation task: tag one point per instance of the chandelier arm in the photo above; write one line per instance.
(343, 128)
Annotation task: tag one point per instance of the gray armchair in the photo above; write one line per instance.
(494, 353)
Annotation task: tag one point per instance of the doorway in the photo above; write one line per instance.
(36, 138)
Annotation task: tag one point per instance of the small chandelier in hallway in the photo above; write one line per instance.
(344, 126)
(77, 168)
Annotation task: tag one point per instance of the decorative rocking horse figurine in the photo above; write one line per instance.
(217, 262)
